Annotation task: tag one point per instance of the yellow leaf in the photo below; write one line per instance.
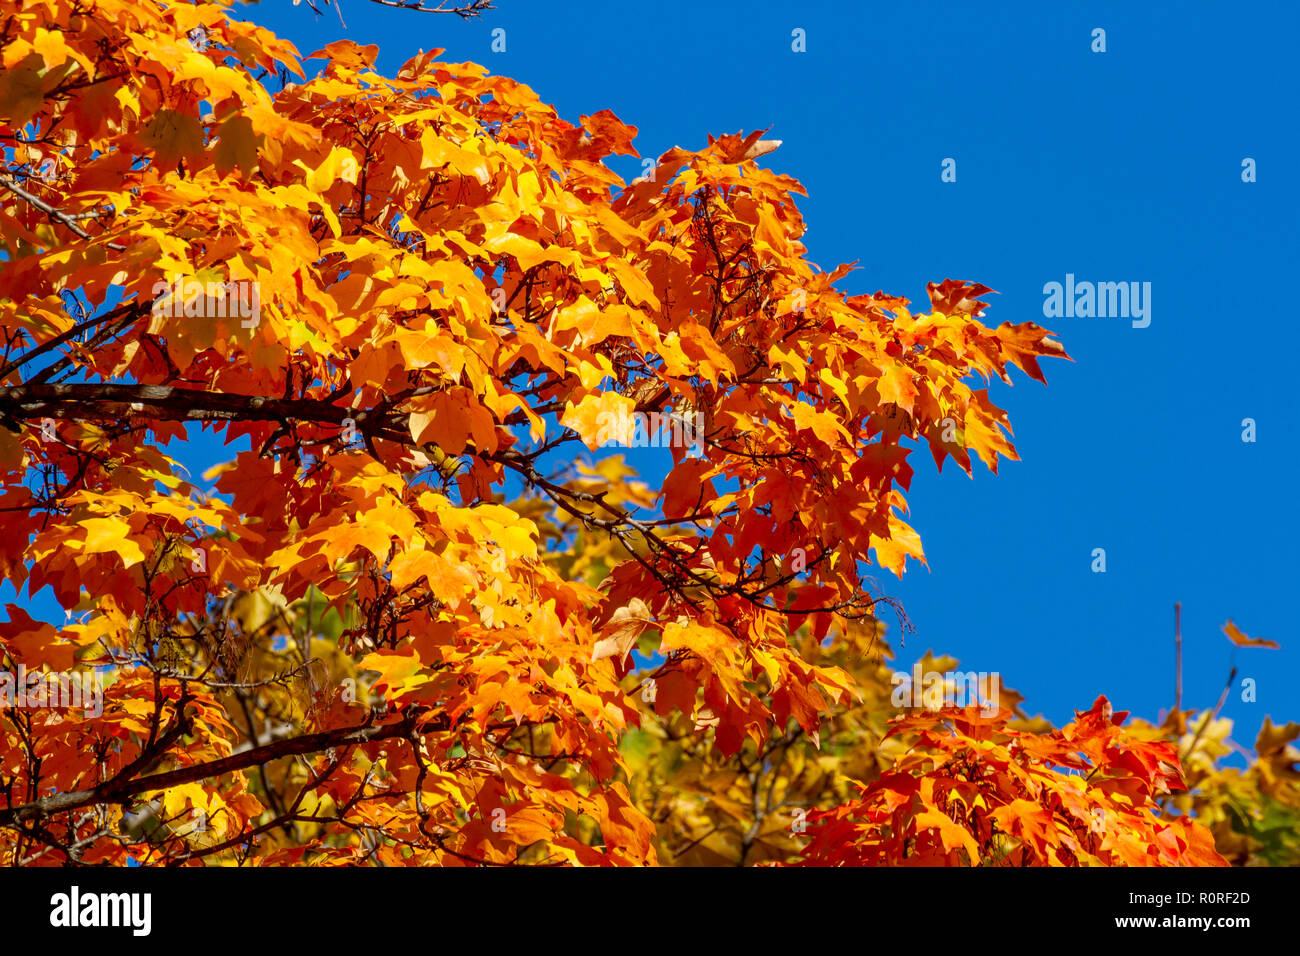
(822, 424)
(895, 385)
(109, 536)
(398, 672)
(601, 418)
(339, 164)
(903, 542)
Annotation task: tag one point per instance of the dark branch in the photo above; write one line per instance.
(119, 790)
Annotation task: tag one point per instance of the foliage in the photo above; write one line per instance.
(1253, 811)
(977, 792)
(400, 628)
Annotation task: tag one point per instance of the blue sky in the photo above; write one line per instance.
(1117, 166)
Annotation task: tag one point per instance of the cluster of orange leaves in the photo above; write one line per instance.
(975, 792)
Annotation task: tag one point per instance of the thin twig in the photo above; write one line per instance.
(55, 214)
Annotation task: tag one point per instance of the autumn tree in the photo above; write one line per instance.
(417, 619)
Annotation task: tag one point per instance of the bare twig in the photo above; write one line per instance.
(57, 215)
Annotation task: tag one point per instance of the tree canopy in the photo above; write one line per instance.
(420, 616)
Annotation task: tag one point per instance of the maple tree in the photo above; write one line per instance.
(401, 626)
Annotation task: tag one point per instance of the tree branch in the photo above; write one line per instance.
(119, 790)
(55, 214)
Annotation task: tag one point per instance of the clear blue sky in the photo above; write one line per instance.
(1115, 166)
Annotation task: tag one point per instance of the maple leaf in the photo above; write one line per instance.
(237, 145)
(951, 836)
(620, 634)
(952, 296)
(173, 136)
(109, 536)
(1233, 633)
